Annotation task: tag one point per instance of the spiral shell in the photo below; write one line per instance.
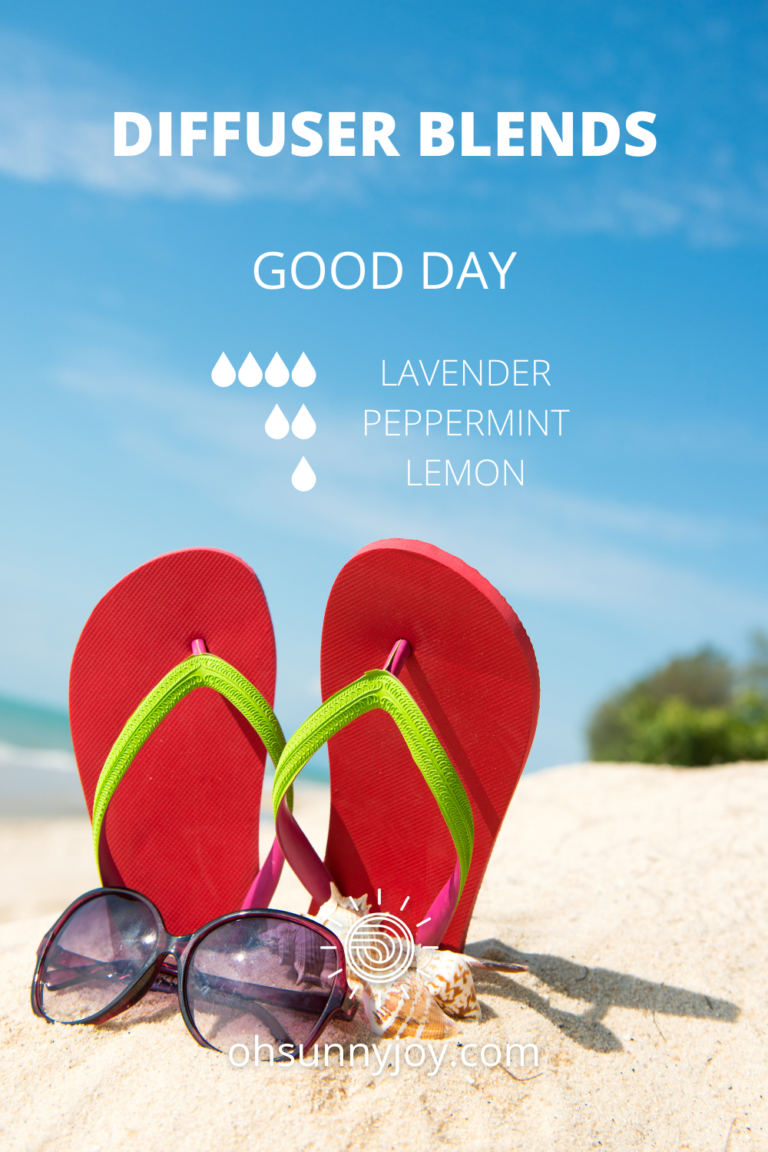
(282, 940)
(419, 1002)
(299, 952)
(405, 1009)
(340, 913)
(309, 958)
(448, 977)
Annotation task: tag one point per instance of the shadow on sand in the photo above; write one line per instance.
(598, 988)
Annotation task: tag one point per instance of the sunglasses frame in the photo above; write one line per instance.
(341, 999)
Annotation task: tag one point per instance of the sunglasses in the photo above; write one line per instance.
(237, 976)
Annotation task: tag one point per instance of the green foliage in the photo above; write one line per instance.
(696, 710)
(704, 680)
(754, 675)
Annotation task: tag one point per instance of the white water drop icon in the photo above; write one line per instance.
(223, 373)
(303, 425)
(303, 373)
(276, 426)
(276, 373)
(303, 478)
(250, 374)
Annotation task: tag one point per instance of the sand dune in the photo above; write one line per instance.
(637, 895)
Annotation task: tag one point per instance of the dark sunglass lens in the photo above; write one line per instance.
(260, 977)
(96, 956)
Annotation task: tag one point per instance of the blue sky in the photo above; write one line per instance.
(642, 531)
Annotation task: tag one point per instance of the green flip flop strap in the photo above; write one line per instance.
(379, 689)
(201, 671)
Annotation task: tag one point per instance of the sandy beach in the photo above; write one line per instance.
(638, 897)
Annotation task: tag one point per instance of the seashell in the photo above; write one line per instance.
(309, 959)
(438, 985)
(286, 947)
(449, 978)
(340, 913)
(282, 941)
(405, 1009)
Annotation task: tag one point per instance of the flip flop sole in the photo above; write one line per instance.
(473, 673)
(183, 825)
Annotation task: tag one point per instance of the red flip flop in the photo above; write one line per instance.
(470, 669)
(172, 777)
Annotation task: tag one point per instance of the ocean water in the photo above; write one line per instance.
(38, 772)
(33, 726)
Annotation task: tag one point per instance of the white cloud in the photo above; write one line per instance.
(56, 124)
(56, 116)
